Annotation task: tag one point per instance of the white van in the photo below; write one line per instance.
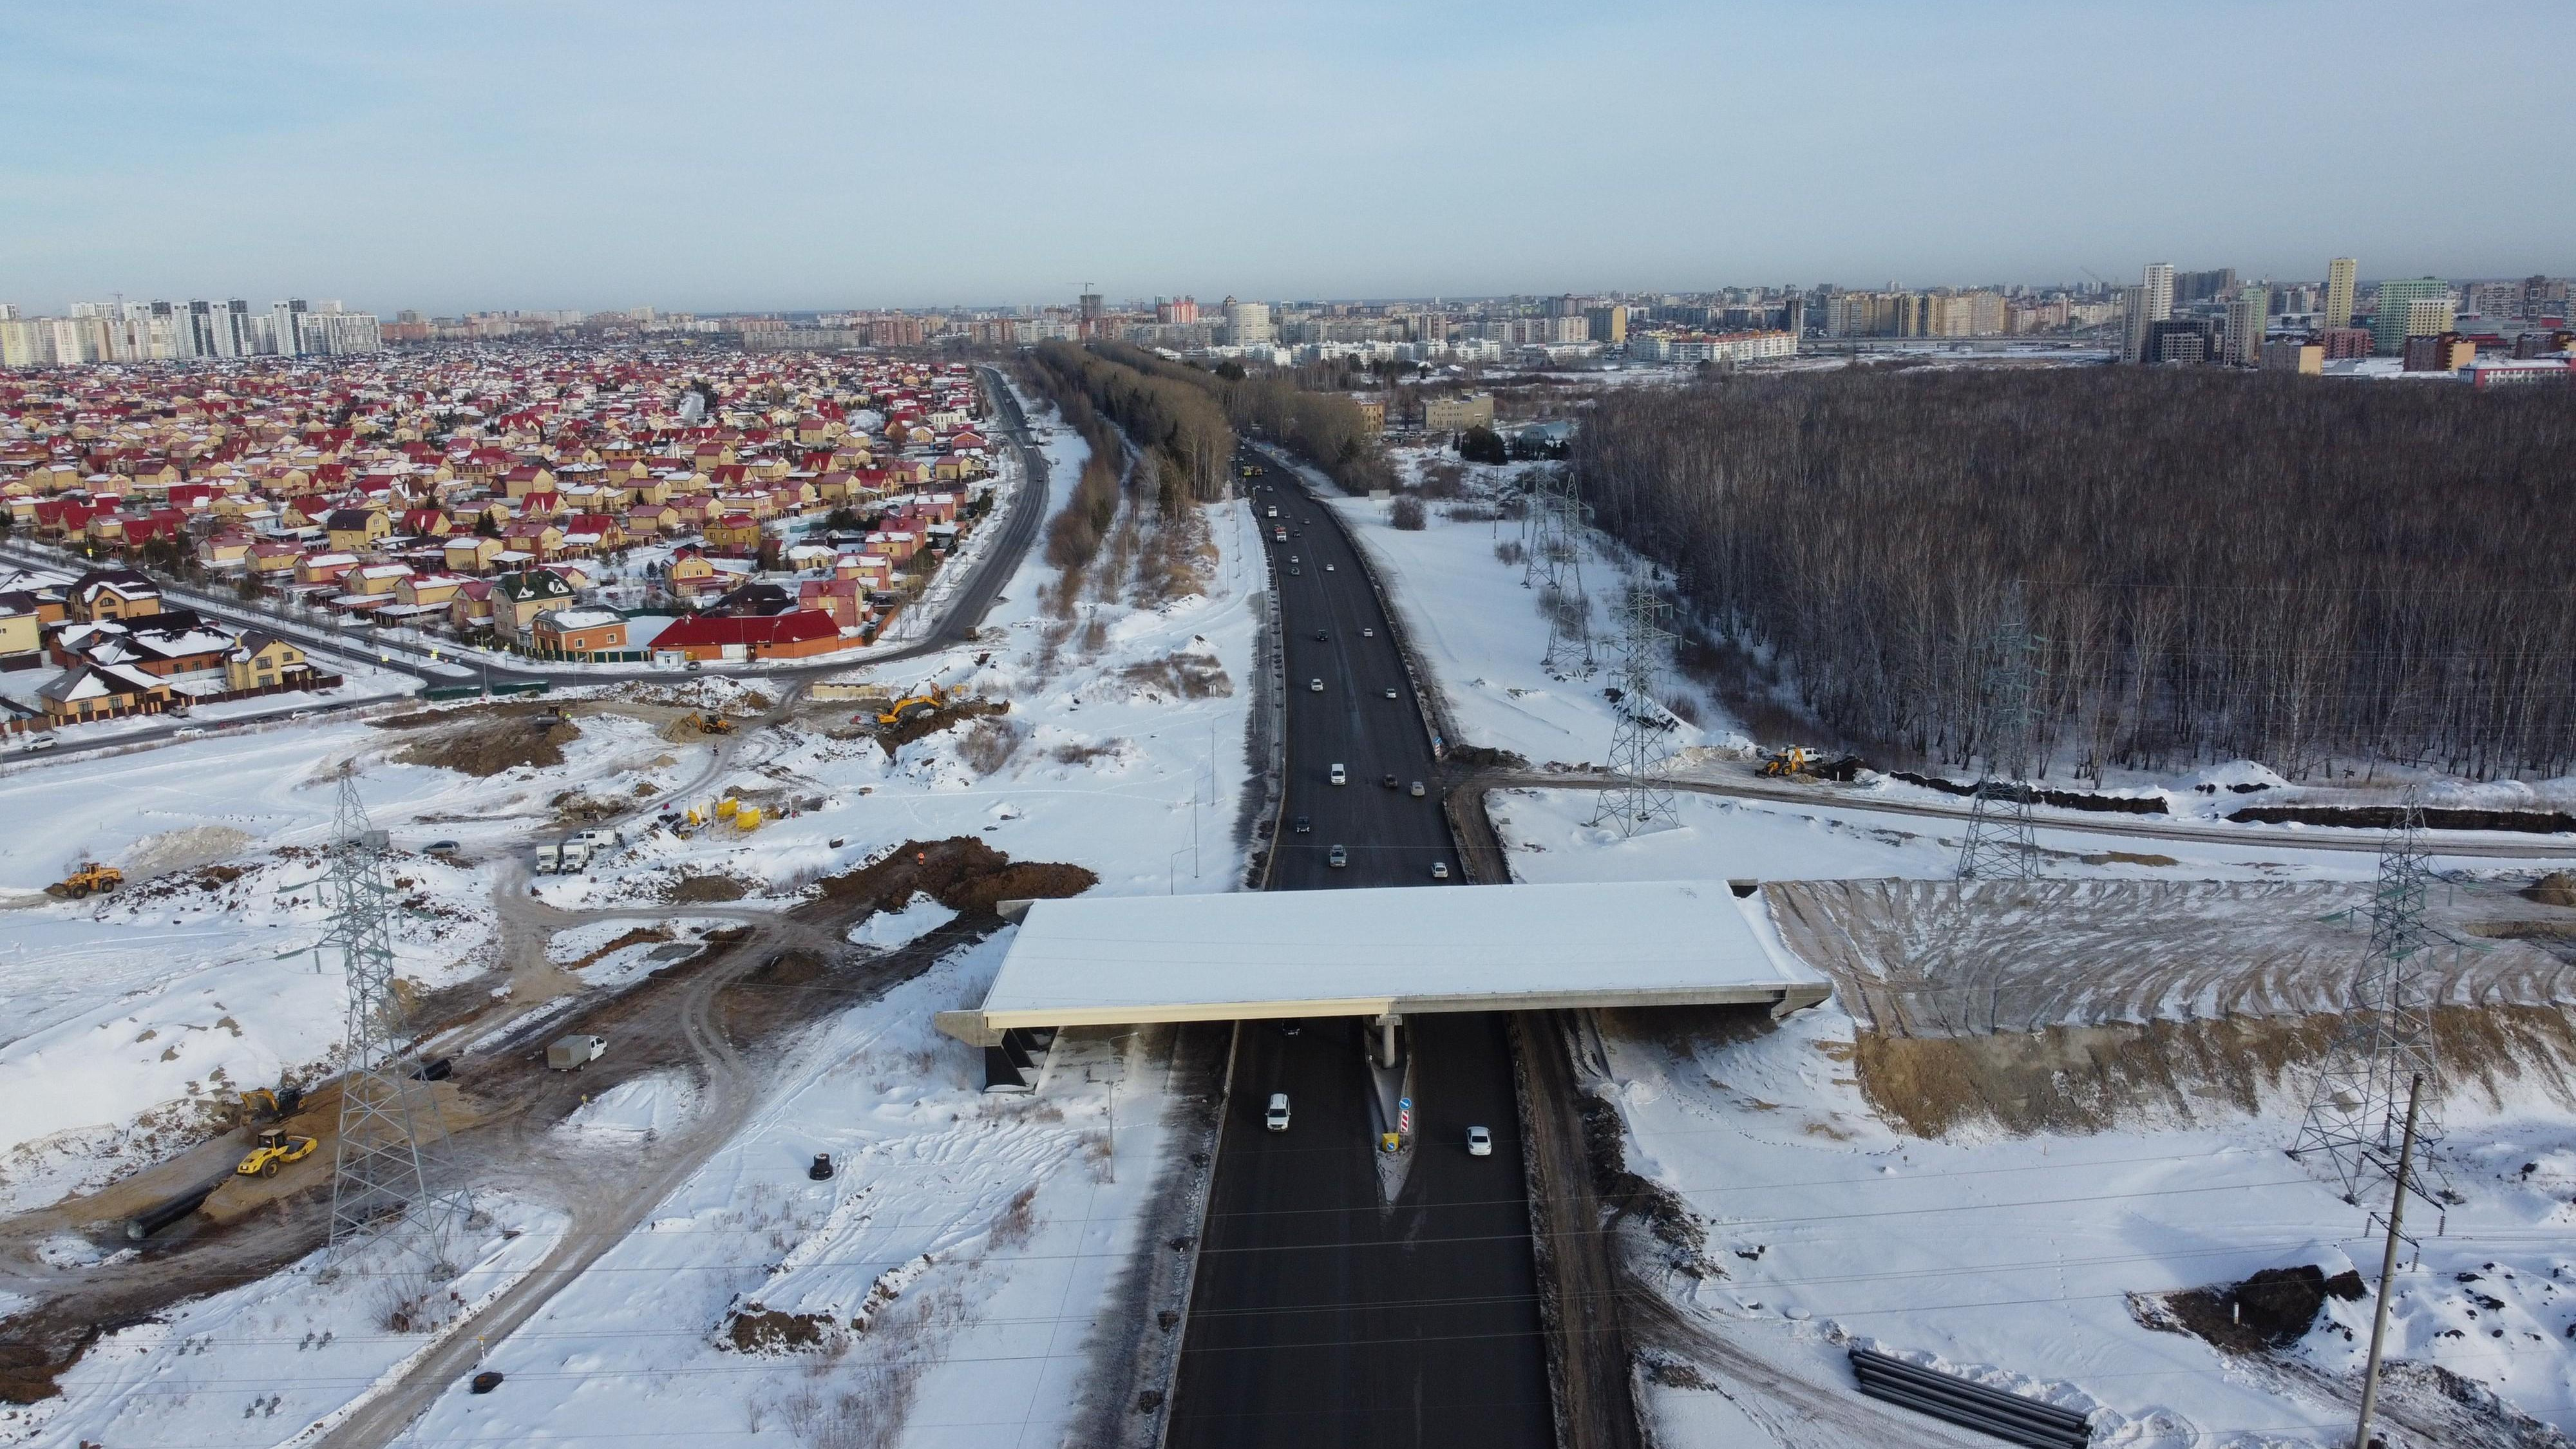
(1339, 777)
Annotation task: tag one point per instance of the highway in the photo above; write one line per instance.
(1320, 1316)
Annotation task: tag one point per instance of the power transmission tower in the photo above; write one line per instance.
(1641, 736)
(2000, 843)
(1554, 566)
(2357, 1111)
(387, 1182)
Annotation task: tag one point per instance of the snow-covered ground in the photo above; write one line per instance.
(138, 1016)
(272, 1360)
(2014, 1258)
(946, 1275)
(951, 1270)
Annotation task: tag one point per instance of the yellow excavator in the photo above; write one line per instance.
(709, 724)
(914, 706)
(275, 1150)
(262, 1105)
(1798, 761)
(90, 877)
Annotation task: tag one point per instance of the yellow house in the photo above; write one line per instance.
(356, 530)
(427, 589)
(471, 553)
(260, 660)
(19, 634)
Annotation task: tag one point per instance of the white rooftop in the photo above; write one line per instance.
(1398, 949)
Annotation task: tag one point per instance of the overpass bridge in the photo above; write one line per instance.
(1380, 954)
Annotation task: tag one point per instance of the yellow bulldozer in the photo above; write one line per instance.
(913, 706)
(89, 877)
(276, 1149)
(708, 724)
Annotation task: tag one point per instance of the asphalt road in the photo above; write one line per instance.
(1320, 1316)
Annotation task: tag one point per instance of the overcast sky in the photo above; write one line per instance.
(743, 155)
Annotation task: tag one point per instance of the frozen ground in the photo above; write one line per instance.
(946, 1277)
(271, 1361)
(2015, 1259)
(961, 1249)
(140, 1015)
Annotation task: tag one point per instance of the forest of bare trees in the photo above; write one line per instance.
(1181, 424)
(2316, 574)
(1325, 428)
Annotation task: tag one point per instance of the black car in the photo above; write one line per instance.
(1389, 782)
(1321, 636)
(1304, 825)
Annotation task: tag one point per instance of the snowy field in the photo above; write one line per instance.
(952, 1266)
(2015, 1259)
(946, 1276)
(272, 1361)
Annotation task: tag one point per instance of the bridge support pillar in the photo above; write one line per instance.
(1384, 1053)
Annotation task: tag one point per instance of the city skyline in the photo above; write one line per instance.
(594, 159)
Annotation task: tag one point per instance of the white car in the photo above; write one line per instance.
(1316, 685)
(1480, 1143)
(1328, 568)
(38, 742)
(187, 732)
(1439, 870)
(1340, 777)
(1368, 633)
(1276, 1119)
(1391, 694)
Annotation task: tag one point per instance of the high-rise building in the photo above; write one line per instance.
(2410, 307)
(1247, 324)
(2145, 305)
(287, 321)
(2209, 286)
(2493, 300)
(1608, 324)
(2245, 313)
(2340, 274)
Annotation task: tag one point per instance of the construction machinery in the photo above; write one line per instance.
(1798, 760)
(276, 1149)
(89, 877)
(259, 1104)
(913, 706)
(708, 724)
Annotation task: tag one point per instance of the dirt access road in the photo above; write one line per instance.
(1833, 797)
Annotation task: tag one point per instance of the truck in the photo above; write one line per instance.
(572, 1053)
(563, 859)
(1274, 510)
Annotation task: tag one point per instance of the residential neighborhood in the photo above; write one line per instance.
(577, 505)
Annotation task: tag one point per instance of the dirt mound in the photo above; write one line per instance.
(703, 889)
(640, 936)
(894, 737)
(485, 747)
(1486, 757)
(961, 873)
(753, 1329)
(2558, 888)
(2272, 1309)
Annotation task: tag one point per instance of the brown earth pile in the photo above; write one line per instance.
(484, 747)
(2558, 888)
(961, 873)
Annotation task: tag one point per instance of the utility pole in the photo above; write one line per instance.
(2387, 1271)
(1641, 732)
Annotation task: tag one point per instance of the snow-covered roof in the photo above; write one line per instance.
(1252, 955)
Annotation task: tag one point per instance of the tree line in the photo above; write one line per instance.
(1074, 534)
(1183, 425)
(2312, 574)
(1327, 429)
